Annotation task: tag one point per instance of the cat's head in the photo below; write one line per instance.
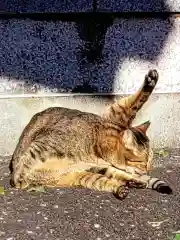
(138, 152)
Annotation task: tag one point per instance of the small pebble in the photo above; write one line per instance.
(43, 204)
(29, 232)
(55, 206)
(96, 225)
(2, 233)
(107, 235)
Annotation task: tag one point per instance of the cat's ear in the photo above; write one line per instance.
(128, 135)
(143, 127)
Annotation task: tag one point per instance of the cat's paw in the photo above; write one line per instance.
(164, 188)
(121, 192)
(135, 184)
(151, 79)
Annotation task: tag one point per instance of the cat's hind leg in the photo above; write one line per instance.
(83, 179)
(123, 111)
(98, 182)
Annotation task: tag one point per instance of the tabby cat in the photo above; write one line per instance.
(67, 147)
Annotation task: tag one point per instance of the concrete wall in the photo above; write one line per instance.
(161, 110)
(39, 57)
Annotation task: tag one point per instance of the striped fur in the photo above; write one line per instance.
(135, 181)
(67, 147)
(124, 110)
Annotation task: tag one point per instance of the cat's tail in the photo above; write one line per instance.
(157, 184)
(141, 181)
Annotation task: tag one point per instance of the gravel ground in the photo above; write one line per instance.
(69, 214)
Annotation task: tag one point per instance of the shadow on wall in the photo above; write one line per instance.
(45, 6)
(80, 55)
(127, 38)
(134, 6)
(55, 6)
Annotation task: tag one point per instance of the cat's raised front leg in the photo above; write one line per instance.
(86, 179)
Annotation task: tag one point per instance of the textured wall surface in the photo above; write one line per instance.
(87, 5)
(17, 112)
(136, 5)
(161, 110)
(53, 56)
(45, 6)
(36, 55)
